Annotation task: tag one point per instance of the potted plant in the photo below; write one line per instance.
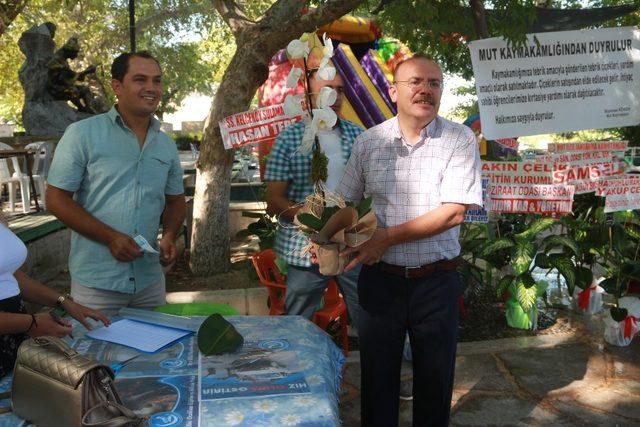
(523, 249)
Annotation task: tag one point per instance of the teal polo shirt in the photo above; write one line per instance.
(100, 160)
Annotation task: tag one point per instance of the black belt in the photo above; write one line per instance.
(419, 271)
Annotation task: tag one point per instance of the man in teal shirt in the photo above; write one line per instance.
(111, 178)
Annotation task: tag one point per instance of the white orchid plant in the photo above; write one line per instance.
(330, 222)
(322, 117)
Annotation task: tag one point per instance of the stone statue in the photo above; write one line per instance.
(63, 83)
(52, 89)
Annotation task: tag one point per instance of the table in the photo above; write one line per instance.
(25, 154)
(178, 387)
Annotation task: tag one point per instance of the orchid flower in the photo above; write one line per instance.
(292, 105)
(327, 50)
(326, 97)
(293, 77)
(297, 49)
(324, 119)
(326, 71)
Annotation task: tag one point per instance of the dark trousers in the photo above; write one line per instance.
(428, 309)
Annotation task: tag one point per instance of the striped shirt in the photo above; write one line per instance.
(407, 181)
(287, 164)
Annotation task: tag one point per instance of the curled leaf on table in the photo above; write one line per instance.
(217, 336)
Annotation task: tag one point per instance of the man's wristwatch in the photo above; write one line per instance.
(62, 298)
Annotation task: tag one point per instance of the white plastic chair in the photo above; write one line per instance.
(41, 163)
(6, 177)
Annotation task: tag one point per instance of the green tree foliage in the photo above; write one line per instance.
(173, 30)
(442, 28)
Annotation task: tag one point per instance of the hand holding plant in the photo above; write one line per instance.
(332, 229)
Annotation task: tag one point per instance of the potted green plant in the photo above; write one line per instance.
(523, 249)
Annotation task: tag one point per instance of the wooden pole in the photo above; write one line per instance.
(132, 25)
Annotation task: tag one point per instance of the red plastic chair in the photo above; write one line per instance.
(334, 307)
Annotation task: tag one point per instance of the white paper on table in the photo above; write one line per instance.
(144, 245)
(142, 336)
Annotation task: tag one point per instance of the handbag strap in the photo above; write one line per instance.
(62, 346)
(121, 416)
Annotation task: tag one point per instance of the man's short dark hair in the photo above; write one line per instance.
(120, 65)
(418, 55)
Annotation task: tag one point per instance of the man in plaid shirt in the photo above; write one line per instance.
(288, 184)
(423, 173)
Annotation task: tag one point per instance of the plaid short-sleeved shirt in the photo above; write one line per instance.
(287, 164)
(407, 181)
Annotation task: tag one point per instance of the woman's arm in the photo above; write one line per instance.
(36, 325)
(35, 292)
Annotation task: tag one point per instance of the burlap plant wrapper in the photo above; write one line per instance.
(329, 260)
(341, 230)
(362, 231)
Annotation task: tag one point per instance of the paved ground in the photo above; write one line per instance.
(562, 380)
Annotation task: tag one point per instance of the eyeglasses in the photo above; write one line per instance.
(415, 84)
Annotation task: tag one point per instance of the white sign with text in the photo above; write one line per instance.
(558, 81)
(623, 198)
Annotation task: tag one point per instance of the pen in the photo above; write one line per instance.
(116, 367)
(58, 320)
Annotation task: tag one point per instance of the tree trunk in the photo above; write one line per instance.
(210, 242)
(480, 19)
(9, 10)
(256, 43)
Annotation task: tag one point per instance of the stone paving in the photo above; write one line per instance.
(570, 379)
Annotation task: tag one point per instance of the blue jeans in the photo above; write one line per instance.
(306, 286)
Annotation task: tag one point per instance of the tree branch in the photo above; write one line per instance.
(288, 14)
(233, 15)
(162, 15)
(479, 19)
(9, 9)
(381, 6)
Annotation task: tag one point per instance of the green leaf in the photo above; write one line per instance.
(503, 285)
(527, 280)
(619, 314)
(566, 268)
(522, 257)
(364, 207)
(542, 261)
(526, 295)
(245, 233)
(218, 336)
(633, 231)
(473, 232)
(610, 285)
(541, 287)
(328, 213)
(584, 277)
(500, 244)
(536, 227)
(310, 221)
(555, 240)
